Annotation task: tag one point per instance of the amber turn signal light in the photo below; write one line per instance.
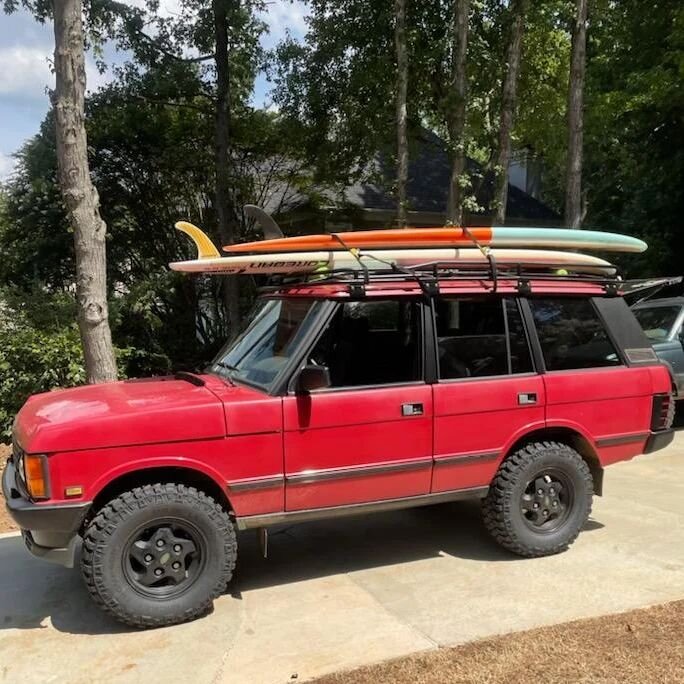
(35, 471)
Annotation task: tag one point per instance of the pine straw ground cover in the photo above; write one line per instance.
(6, 523)
(638, 647)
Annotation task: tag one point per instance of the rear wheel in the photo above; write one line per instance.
(539, 500)
(158, 555)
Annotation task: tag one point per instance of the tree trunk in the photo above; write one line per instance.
(80, 196)
(224, 200)
(508, 97)
(457, 112)
(402, 82)
(573, 190)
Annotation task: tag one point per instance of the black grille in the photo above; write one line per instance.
(18, 458)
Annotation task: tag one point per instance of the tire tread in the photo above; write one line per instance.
(499, 501)
(109, 516)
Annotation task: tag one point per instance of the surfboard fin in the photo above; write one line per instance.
(205, 247)
(270, 228)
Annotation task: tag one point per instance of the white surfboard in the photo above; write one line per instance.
(322, 261)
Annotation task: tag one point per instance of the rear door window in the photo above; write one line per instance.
(480, 338)
(571, 334)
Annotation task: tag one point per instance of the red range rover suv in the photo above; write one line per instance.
(342, 398)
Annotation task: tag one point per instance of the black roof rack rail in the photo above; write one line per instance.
(429, 274)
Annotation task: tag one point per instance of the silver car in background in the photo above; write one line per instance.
(662, 321)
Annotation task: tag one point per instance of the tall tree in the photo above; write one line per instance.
(402, 116)
(508, 102)
(225, 210)
(456, 115)
(574, 211)
(79, 193)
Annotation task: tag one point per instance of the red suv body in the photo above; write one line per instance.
(339, 400)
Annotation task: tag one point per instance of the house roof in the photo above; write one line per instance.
(427, 188)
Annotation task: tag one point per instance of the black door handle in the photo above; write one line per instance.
(412, 409)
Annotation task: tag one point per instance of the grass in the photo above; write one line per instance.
(638, 647)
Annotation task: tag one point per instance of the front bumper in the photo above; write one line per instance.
(50, 531)
(658, 440)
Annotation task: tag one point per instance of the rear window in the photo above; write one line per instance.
(572, 335)
(657, 321)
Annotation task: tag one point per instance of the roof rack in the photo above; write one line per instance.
(428, 275)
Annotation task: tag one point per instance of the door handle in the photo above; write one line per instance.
(412, 409)
(527, 398)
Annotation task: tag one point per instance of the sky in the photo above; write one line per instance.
(26, 49)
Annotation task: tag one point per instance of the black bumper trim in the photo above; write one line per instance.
(658, 440)
(63, 518)
(62, 555)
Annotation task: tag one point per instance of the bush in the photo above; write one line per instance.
(40, 350)
(33, 361)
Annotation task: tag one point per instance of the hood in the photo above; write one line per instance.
(119, 414)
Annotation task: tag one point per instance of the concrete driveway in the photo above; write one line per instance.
(338, 594)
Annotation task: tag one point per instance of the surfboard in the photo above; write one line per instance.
(322, 261)
(412, 238)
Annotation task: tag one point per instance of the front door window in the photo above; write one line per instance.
(372, 343)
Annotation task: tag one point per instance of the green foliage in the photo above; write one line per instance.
(635, 127)
(40, 349)
(151, 144)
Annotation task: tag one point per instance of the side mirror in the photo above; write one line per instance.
(312, 378)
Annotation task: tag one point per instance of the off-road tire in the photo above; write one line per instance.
(115, 524)
(502, 512)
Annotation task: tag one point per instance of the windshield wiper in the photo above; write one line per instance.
(227, 366)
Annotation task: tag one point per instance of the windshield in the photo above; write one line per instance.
(271, 337)
(657, 321)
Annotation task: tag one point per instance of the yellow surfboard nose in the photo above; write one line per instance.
(205, 247)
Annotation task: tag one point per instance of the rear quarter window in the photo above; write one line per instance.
(571, 335)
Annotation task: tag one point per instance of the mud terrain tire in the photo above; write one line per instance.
(539, 500)
(158, 555)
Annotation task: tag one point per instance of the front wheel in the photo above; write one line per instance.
(158, 555)
(539, 500)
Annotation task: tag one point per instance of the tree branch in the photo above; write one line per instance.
(168, 103)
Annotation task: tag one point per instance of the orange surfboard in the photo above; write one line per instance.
(394, 238)
(425, 238)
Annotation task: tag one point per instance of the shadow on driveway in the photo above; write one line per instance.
(32, 590)
(347, 545)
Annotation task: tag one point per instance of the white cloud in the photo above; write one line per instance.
(24, 72)
(167, 8)
(7, 165)
(94, 79)
(283, 15)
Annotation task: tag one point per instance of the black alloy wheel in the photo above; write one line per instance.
(164, 559)
(539, 499)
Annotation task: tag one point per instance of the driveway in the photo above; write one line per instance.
(338, 594)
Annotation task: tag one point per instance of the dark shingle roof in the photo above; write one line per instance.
(428, 184)
(427, 189)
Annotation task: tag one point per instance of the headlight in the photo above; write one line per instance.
(36, 476)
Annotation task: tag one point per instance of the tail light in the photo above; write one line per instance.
(662, 412)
